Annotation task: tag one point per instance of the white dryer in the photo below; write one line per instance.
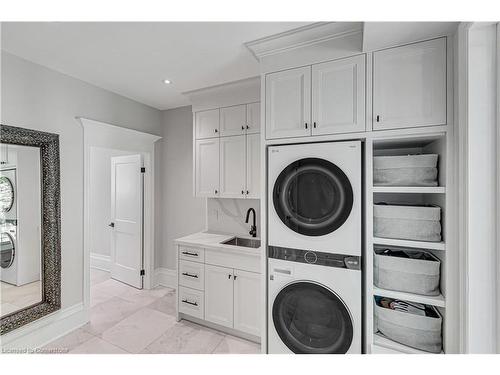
(314, 302)
(315, 197)
(8, 253)
(8, 194)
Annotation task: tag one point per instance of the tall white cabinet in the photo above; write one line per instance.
(227, 152)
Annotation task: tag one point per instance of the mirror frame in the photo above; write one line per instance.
(48, 143)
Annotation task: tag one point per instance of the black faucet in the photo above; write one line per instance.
(253, 229)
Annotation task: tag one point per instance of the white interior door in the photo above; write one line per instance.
(127, 219)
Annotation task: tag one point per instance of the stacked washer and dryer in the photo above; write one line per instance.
(314, 252)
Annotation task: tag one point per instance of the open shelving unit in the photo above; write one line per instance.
(435, 143)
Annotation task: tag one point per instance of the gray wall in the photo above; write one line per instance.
(39, 98)
(181, 214)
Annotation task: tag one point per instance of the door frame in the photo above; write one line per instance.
(101, 134)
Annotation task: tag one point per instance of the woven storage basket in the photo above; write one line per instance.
(408, 170)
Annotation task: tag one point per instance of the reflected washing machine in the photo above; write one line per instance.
(8, 195)
(8, 254)
(314, 302)
(315, 197)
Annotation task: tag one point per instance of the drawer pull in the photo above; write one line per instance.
(189, 302)
(189, 253)
(190, 275)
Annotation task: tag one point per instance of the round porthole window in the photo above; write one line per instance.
(6, 194)
(7, 250)
(311, 319)
(313, 197)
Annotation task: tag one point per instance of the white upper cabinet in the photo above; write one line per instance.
(233, 120)
(288, 103)
(232, 167)
(219, 295)
(338, 96)
(253, 118)
(247, 301)
(207, 167)
(409, 85)
(207, 124)
(253, 166)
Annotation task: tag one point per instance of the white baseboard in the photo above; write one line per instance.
(49, 328)
(101, 262)
(165, 277)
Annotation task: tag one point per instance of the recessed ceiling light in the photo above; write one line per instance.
(167, 81)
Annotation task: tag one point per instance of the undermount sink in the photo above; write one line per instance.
(244, 242)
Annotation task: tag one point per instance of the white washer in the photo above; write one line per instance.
(8, 194)
(315, 197)
(8, 254)
(313, 308)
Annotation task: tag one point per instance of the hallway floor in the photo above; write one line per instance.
(126, 320)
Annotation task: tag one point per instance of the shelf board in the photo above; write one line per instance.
(410, 189)
(408, 243)
(428, 300)
(380, 340)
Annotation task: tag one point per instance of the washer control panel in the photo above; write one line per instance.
(315, 257)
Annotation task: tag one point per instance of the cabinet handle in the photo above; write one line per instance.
(306, 125)
(215, 130)
(189, 253)
(216, 191)
(229, 276)
(234, 277)
(378, 118)
(189, 302)
(248, 192)
(248, 127)
(190, 275)
(242, 127)
(314, 124)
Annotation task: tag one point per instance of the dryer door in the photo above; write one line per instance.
(6, 194)
(313, 197)
(7, 250)
(311, 319)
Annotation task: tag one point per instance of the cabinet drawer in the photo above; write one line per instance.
(191, 302)
(194, 254)
(231, 260)
(192, 274)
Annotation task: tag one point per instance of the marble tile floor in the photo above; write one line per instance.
(124, 320)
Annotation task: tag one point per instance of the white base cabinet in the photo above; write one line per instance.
(220, 287)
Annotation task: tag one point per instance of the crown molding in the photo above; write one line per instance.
(304, 36)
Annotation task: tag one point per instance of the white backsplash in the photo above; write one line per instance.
(228, 215)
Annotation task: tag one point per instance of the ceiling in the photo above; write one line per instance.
(132, 59)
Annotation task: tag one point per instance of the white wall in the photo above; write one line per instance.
(100, 198)
(482, 158)
(181, 213)
(39, 98)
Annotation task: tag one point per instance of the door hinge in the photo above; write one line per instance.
(143, 170)
(143, 272)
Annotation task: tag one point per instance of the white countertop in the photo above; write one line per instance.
(209, 240)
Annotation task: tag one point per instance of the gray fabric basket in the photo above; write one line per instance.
(408, 170)
(419, 276)
(419, 223)
(420, 332)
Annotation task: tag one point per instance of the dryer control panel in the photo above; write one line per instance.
(315, 257)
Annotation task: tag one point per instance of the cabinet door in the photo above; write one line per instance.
(253, 118)
(207, 124)
(288, 103)
(207, 168)
(232, 167)
(253, 166)
(409, 85)
(233, 120)
(338, 96)
(219, 295)
(247, 302)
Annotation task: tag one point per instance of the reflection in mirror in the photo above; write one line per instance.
(20, 228)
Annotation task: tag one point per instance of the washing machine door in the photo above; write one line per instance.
(7, 250)
(311, 319)
(313, 197)
(6, 194)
